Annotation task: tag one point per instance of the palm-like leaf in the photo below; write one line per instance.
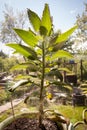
(21, 76)
(46, 19)
(55, 72)
(68, 87)
(17, 84)
(27, 36)
(24, 50)
(34, 20)
(63, 37)
(64, 69)
(32, 67)
(60, 54)
(19, 48)
(61, 85)
(58, 42)
(19, 67)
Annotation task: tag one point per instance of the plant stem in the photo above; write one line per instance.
(12, 107)
(42, 85)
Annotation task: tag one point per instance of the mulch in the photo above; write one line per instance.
(31, 124)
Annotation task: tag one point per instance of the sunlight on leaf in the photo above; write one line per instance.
(17, 84)
(61, 54)
(46, 19)
(63, 37)
(19, 48)
(68, 87)
(27, 36)
(19, 67)
(64, 69)
(34, 20)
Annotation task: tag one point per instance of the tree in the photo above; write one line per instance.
(11, 20)
(40, 53)
(2, 54)
(6, 63)
(2, 57)
(82, 25)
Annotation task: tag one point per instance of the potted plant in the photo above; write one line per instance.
(41, 48)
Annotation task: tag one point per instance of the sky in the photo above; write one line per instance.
(64, 12)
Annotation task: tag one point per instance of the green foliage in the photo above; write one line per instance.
(11, 19)
(60, 54)
(83, 87)
(3, 96)
(3, 55)
(27, 36)
(46, 21)
(74, 114)
(82, 25)
(34, 19)
(24, 50)
(40, 46)
(7, 63)
(63, 37)
(84, 67)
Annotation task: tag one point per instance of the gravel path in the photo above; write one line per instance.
(15, 102)
(8, 105)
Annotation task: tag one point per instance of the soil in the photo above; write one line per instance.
(31, 124)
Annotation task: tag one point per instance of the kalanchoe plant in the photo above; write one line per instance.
(42, 47)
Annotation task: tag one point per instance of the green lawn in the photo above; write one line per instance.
(74, 114)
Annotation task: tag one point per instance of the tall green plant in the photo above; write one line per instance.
(39, 48)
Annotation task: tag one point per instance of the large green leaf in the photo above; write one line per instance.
(67, 87)
(21, 76)
(34, 19)
(27, 36)
(46, 19)
(64, 69)
(43, 31)
(19, 67)
(17, 84)
(58, 83)
(63, 37)
(62, 86)
(23, 66)
(61, 54)
(24, 50)
(55, 72)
